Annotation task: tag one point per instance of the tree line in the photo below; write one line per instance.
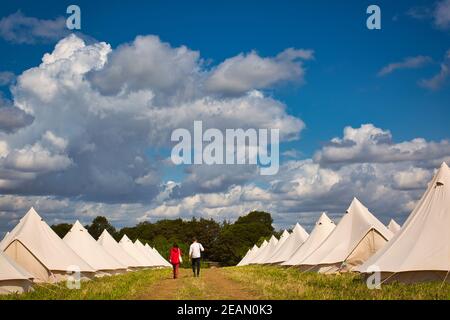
(225, 243)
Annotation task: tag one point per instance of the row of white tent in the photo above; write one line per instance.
(328, 246)
(417, 251)
(33, 252)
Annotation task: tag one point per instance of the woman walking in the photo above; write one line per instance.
(175, 259)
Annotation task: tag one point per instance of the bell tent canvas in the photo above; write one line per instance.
(420, 251)
(250, 253)
(13, 278)
(154, 261)
(292, 243)
(284, 236)
(261, 248)
(38, 249)
(114, 249)
(393, 226)
(79, 239)
(357, 237)
(246, 256)
(324, 226)
(266, 252)
(131, 249)
(164, 262)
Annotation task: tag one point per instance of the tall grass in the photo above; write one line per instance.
(125, 286)
(282, 283)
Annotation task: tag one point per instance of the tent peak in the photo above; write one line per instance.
(78, 225)
(32, 212)
(323, 219)
(443, 175)
(125, 238)
(105, 232)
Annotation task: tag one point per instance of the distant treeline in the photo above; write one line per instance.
(225, 242)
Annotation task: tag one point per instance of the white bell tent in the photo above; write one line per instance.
(357, 237)
(131, 249)
(292, 243)
(163, 261)
(255, 255)
(13, 278)
(79, 239)
(324, 226)
(266, 252)
(394, 226)
(149, 256)
(250, 253)
(38, 249)
(420, 251)
(114, 249)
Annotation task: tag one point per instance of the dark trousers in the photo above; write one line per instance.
(196, 266)
(175, 270)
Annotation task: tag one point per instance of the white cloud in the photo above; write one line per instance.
(245, 72)
(148, 63)
(87, 149)
(99, 140)
(407, 63)
(369, 144)
(19, 28)
(388, 177)
(12, 118)
(36, 159)
(412, 178)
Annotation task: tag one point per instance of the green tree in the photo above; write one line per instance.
(61, 229)
(99, 224)
(235, 239)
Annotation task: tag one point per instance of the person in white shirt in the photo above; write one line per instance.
(195, 253)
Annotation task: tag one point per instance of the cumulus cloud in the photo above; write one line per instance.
(369, 144)
(388, 177)
(96, 118)
(19, 28)
(244, 72)
(12, 118)
(407, 63)
(86, 152)
(298, 193)
(149, 63)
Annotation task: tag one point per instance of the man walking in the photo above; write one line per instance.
(195, 253)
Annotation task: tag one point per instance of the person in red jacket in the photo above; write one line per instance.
(175, 259)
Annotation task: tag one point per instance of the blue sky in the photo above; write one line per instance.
(341, 86)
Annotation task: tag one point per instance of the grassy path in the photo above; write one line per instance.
(211, 285)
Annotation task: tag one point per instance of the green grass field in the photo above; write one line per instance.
(289, 283)
(250, 282)
(125, 286)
